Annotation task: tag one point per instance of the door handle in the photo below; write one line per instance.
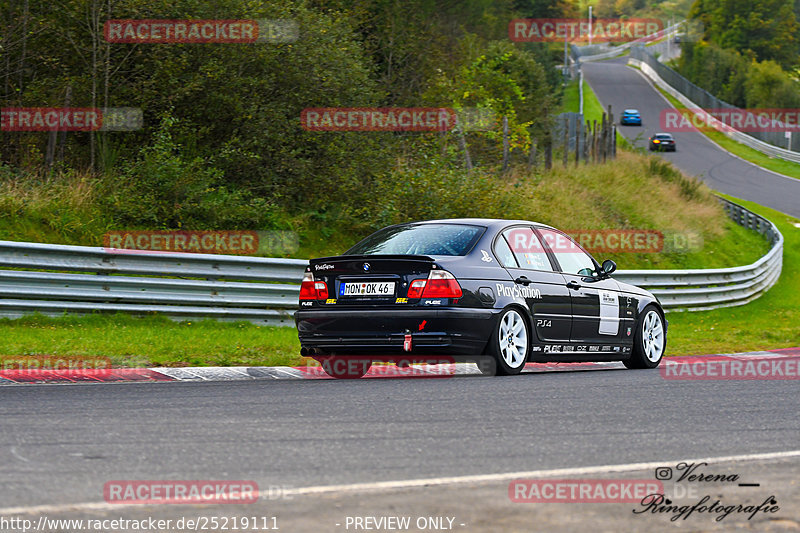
(522, 279)
(574, 285)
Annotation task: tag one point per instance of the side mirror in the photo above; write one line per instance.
(608, 267)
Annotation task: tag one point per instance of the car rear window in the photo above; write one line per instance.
(420, 239)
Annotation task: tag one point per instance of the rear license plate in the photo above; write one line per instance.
(369, 288)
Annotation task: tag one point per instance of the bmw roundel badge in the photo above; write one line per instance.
(366, 267)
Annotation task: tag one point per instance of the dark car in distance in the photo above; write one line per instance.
(631, 117)
(506, 292)
(662, 142)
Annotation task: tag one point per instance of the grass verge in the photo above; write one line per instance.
(570, 102)
(593, 110)
(150, 341)
(770, 322)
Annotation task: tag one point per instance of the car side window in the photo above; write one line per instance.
(504, 253)
(527, 249)
(570, 256)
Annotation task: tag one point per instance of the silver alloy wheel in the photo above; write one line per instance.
(653, 336)
(513, 337)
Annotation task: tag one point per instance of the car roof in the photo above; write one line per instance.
(631, 111)
(492, 223)
(663, 135)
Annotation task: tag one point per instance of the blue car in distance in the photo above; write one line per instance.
(631, 117)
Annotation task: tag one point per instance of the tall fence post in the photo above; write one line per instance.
(505, 144)
(462, 143)
(532, 155)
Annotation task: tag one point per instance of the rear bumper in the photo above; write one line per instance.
(447, 331)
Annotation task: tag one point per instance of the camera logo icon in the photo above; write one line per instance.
(663, 473)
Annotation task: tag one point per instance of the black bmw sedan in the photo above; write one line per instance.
(506, 292)
(663, 142)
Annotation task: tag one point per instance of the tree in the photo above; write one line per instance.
(768, 28)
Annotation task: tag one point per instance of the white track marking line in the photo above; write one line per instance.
(604, 469)
(18, 456)
(427, 482)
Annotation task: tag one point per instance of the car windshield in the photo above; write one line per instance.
(631, 112)
(664, 136)
(420, 239)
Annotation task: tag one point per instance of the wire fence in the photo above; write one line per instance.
(700, 98)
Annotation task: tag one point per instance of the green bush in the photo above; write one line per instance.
(164, 189)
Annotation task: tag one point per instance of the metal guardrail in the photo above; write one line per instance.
(704, 289)
(56, 279)
(583, 54)
(223, 287)
(657, 72)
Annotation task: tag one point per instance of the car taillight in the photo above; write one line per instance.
(416, 287)
(311, 289)
(656, 141)
(440, 284)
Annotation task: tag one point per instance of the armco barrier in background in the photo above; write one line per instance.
(693, 97)
(53, 279)
(585, 54)
(84, 279)
(703, 289)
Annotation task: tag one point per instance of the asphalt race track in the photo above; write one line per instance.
(62, 443)
(625, 87)
(324, 452)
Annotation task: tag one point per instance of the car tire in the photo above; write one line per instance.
(510, 342)
(649, 341)
(345, 367)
